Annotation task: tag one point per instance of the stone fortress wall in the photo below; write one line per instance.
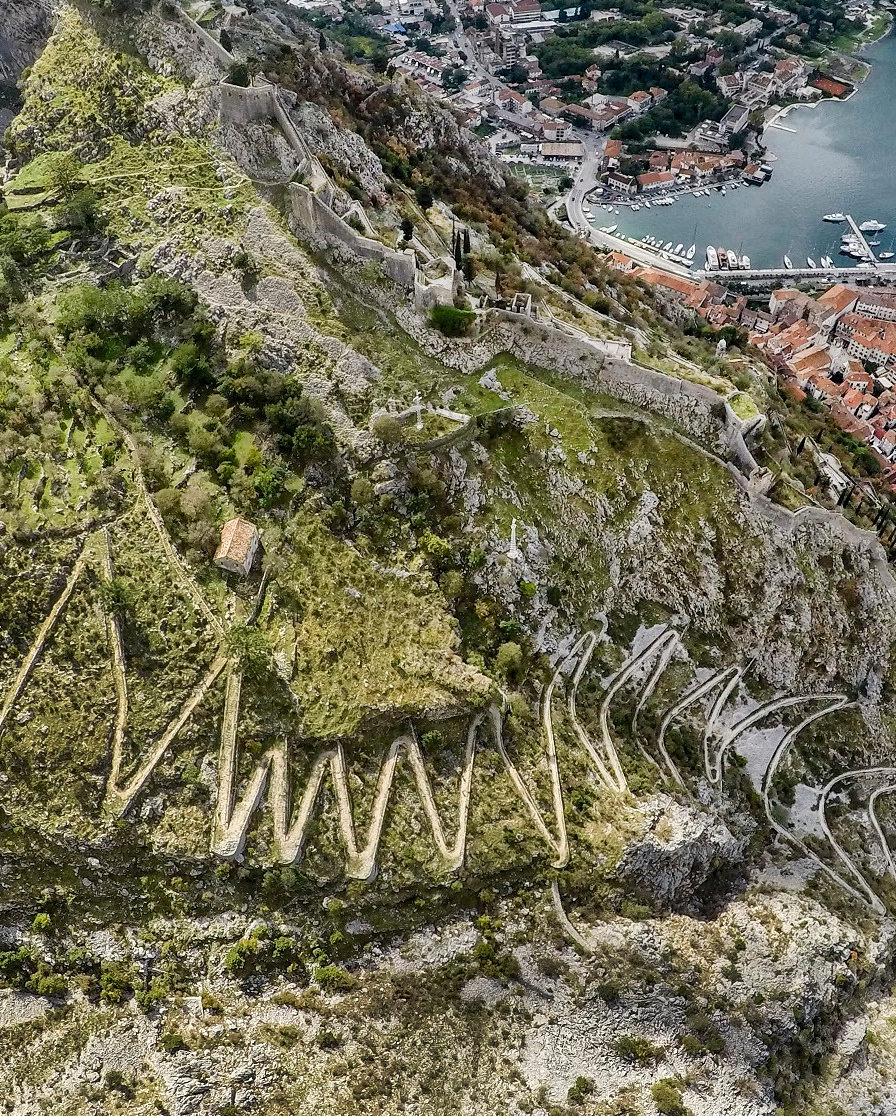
(311, 206)
(696, 408)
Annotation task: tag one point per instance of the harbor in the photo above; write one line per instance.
(834, 156)
(737, 269)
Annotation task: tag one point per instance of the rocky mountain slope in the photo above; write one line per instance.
(508, 779)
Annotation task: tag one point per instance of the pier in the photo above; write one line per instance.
(861, 237)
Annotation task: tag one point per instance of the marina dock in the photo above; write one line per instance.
(862, 240)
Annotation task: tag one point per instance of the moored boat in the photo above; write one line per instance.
(788, 263)
(712, 258)
(835, 218)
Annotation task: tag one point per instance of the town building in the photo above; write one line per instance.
(238, 547)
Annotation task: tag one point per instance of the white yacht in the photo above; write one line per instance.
(745, 263)
(836, 218)
(887, 255)
(733, 260)
(788, 263)
(810, 262)
(871, 226)
(667, 247)
(691, 252)
(611, 228)
(679, 248)
(712, 258)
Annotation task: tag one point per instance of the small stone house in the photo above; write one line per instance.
(238, 547)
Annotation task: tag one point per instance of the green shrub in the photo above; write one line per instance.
(16, 966)
(172, 1041)
(667, 1097)
(387, 428)
(116, 981)
(450, 321)
(117, 596)
(41, 923)
(636, 1048)
(46, 982)
(609, 991)
(333, 979)
(115, 1081)
(509, 659)
(240, 958)
(583, 1088)
(252, 647)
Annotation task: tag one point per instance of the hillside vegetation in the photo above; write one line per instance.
(492, 785)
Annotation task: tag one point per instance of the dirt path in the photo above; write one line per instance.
(629, 666)
(113, 634)
(237, 807)
(686, 700)
(766, 709)
(232, 819)
(233, 816)
(43, 634)
(586, 645)
(118, 798)
(875, 822)
(865, 895)
(843, 856)
(184, 576)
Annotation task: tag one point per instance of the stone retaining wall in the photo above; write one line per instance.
(205, 41)
(696, 408)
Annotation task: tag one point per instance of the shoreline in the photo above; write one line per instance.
(784, 111)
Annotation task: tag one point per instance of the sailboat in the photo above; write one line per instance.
(810, 262)
(689, 255)
(788, 263)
